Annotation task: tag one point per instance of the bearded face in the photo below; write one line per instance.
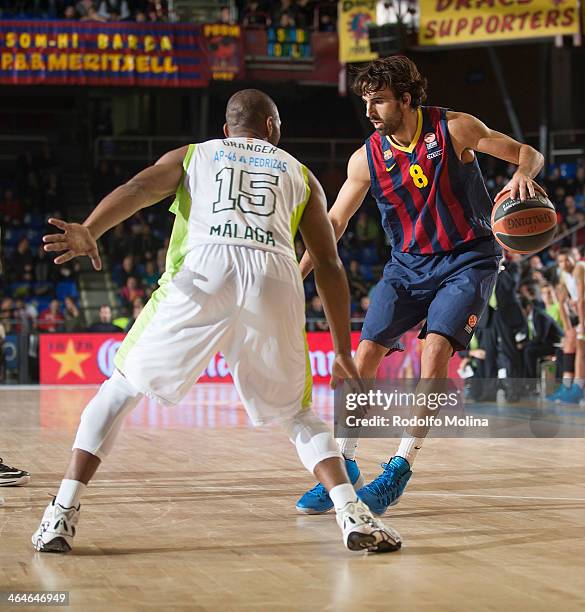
(384, 111)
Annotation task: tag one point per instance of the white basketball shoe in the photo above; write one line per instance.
(361, 531)
(57, 529)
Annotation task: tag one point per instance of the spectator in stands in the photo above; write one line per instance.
(105, 324)
(52, 195)
(123, 271)
(367, 229)
(143, 241)
(116, 241)
(357, 285)
(92, 15)
(11, 207)
(571, 218)
(113, 10)
(538, 337)
(22, 261)
(131, 291)
(286, 8)
(304, 14)
(51, 320)
(316, 316)
(225, 16)
(137, 308)
(74, 321)
(162, 254)
(509, 319)
(6, 313)
(70, 13)
(254, 16)
(151, 275)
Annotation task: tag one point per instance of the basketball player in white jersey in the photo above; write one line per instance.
(231, 284)
(572, 296)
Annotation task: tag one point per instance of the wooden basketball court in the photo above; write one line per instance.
(195, 510)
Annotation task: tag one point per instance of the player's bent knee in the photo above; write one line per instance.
(102, 418)
(368, 357)
(313, 439)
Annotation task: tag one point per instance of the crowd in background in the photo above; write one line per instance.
(47, 296)
(286, 13)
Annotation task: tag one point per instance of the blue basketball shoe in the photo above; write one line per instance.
(556, 396)
(571, 395)
(386, 489)
(317, 500)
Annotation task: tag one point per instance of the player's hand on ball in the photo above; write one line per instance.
(343, 368)
(521, 186)
(76, 240)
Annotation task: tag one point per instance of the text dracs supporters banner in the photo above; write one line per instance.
(445, 22)
(352, 26)
(90, 53)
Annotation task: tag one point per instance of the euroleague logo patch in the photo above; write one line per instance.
(430, 141)
(471, 323)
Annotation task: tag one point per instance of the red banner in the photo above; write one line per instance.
(86, 359)
(224, 45)
(78, 359)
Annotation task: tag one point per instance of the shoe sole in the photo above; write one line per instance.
(358, 484)
(361, 541)
(15, 482)
(56, 545)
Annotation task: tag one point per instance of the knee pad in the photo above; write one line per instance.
(313, 439)
(102, 418)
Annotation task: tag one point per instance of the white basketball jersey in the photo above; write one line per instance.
(242, 191)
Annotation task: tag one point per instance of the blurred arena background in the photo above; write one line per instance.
(91, 91)
(96, 89)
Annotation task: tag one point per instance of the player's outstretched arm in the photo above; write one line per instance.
(469, 133)
(145, 189)
(350, 197)
(330, 277)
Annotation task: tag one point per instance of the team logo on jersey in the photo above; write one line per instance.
(430, 141)
(387, 154)
(471, 323)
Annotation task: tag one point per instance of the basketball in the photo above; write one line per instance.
(526, 226)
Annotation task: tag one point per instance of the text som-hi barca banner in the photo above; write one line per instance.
(91, 53)
(447, 22)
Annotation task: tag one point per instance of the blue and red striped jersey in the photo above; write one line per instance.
(430, 201)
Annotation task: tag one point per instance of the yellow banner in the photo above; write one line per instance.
(448, 22)
(354, 16)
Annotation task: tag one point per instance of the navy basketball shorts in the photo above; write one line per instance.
(450, 290)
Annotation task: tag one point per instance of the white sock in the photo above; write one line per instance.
(70, 493)
(568, 380)
(348, 447)
(342, 494)
(409, 447)
(579, 382)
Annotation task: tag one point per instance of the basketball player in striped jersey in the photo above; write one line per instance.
(231, 284)
(421, 168)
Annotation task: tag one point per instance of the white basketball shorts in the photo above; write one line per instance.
(247, 303)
